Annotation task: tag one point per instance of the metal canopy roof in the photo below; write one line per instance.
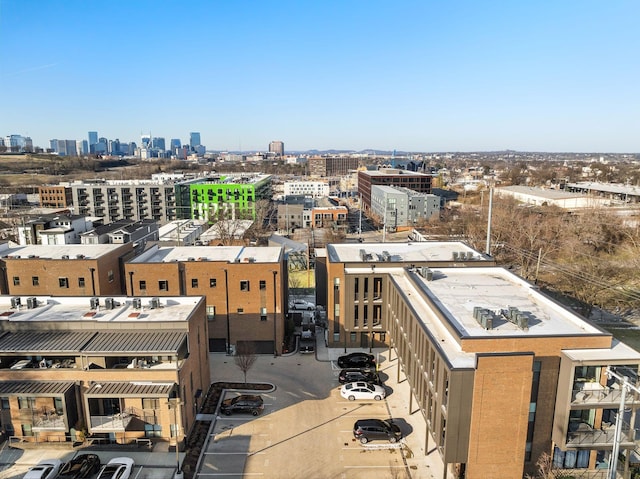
(133, 389)
(44, 342)
(35, 388)
(134, 342)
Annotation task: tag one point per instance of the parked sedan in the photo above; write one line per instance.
(244, 403)
(366, 430)
(352, 375)
(46, 469)
(357, 360)
(362, 390)
(302, 304)
(117, 468)
(80, 467)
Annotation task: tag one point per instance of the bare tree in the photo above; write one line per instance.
(245, 357)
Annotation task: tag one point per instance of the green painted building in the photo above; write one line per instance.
(233, 196)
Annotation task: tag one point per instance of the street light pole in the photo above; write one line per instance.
(226, 292)
(179, 473)
(275, 341)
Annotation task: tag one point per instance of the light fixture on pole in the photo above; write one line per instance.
(175, 403)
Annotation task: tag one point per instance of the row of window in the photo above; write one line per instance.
(63, 282)
(211, 313)
(163, 284)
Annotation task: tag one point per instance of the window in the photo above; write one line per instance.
(26, 403)
(35, 281)
(63, 282)
(263, 314)
(143, 285)
(212, 282)
(110, 276)
(81, 282)
(163, 285)
(194, 282)
(211, 312)
(240, 310)
(150, 403)
(244, 285)
(263, 284)
(16, 280)
(4, 403)
(352, 337)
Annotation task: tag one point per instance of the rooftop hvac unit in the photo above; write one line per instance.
(79, 256)
(476, 312)
(523, 321)
(65, 256)
(363, 255)
(154, 303)
(463, 255)
(137, 303)
(15, 303)
(32, 303)
(455, 256)
(386, 256)
(251, 260)
(94, 302)
(191, 259)
(108, 303)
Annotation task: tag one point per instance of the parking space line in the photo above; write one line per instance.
(234, 453)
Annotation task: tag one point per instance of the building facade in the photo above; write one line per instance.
(500, 372)
(119, 369)
(244, 289)
(418, 182)
(398, 207)
(277, 148)
(311, 189)
(332, 166)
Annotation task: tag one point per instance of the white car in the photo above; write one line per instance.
(302, 304)
(117, 468)
(46, 469)
(362, 390)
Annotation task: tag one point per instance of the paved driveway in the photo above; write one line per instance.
(306, 427)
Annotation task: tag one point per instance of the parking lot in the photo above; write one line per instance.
(306, 428)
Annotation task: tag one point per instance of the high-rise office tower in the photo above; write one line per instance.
(158, 143)
(276, 147)
(194, 139)
(93, 137)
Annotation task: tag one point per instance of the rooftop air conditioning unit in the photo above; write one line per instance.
(109, 303)
(79, 256)
(455, 256)
(94, 302)
(65, 256)
(15, 303)
(137, 303)
(32, 303)
(154, 303)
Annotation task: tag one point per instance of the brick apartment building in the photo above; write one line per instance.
(55, 196)
(500, 372)
(64, 270)
(332, 165)
(245, 289)
(419, 182)
(120, 369)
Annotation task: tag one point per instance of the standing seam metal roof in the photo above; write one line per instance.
(122, 389)
(35, 388)
(45, 341)
(136, 342)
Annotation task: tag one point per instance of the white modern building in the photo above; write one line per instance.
(312, 189)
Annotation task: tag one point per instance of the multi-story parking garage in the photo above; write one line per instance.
(500, 372)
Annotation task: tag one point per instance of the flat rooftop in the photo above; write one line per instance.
(402, 252)
(68, 251)
(70, 309)
(229, 254)
(457, 291)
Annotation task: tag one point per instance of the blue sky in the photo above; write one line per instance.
(346, 74)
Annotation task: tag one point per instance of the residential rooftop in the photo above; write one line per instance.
(67, 251)
(75, 309)
(229, 254)
(412, 252)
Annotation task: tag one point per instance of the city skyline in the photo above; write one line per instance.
(414, 76)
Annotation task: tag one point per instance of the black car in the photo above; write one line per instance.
(245, 403)
(80, 467)
(353, 375)
(307, 346)
(366, 430)
(357, 360)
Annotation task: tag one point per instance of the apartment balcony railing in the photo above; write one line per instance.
(49, 422)
(597, 395)
(583, 436)
(112, 423)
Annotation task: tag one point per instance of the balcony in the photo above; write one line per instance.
(113, 423)
(584, 436)
(590, 395)
(49, 422)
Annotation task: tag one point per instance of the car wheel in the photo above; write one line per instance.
(309, 309)
(363, 440)
(392, 439)
(378, 398)
(226, 413)
(255, 412)
(352, 398)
